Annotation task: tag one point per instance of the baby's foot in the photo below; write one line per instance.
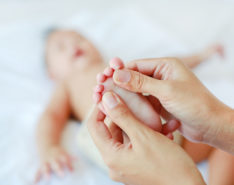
(138, 104)
(215, 49)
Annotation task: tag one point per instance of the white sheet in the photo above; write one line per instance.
(126, 29)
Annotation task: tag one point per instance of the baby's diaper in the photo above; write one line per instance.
(87, 146)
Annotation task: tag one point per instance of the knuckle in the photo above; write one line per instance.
(121, 112)
(139, 81)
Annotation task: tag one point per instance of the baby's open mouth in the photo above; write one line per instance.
(78, 53)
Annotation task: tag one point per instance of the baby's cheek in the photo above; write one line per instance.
(92, 52)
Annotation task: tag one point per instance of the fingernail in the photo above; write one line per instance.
(122, 76)
(110, 100)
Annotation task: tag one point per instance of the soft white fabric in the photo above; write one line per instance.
(127, 29)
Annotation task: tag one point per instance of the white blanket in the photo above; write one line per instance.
(126, 29)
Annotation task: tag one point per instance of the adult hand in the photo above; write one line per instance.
(177, 93)
(147, 157)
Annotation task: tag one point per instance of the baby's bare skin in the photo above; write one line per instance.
(138, 104)
(73, 62)
(76, 78)
(80, 86)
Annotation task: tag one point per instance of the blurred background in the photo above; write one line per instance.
(129, 29)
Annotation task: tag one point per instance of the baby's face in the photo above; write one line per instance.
(67, 50)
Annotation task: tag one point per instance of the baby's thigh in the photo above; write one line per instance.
(197, 151)
(221, 168)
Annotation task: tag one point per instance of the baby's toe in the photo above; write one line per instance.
(99, 88)
(97, 97)
(101, 78)
(101, 107)
(220, 50)
(108, 72)
(116, 63)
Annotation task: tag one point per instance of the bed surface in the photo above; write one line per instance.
(127, 29)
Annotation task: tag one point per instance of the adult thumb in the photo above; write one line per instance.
(138, 82)
(121, 115)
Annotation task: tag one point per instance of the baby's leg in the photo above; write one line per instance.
(221, 168)
(194, 60)
(221, 164)
(197, 151)
(138, 104)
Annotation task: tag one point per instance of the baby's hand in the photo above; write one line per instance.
(56, 160)
(215, 49)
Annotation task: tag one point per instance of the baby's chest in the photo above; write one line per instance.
(80, 98)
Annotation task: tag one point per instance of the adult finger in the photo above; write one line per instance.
(155, 67)
(121, 115)
(99, 132)
(138, 82)
(170, 126)
(114, 129)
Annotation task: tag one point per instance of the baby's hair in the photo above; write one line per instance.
(48, 32)
(46, 36)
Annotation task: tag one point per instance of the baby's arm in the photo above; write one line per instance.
(52, 155)
(196, 59)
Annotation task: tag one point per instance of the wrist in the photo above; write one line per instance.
(187, 174)
(46, 149)
(221, 128)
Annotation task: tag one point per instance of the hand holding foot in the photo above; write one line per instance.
(171, 86)
(138, 104)
(182, 96)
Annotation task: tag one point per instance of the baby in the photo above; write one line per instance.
(73, 63)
